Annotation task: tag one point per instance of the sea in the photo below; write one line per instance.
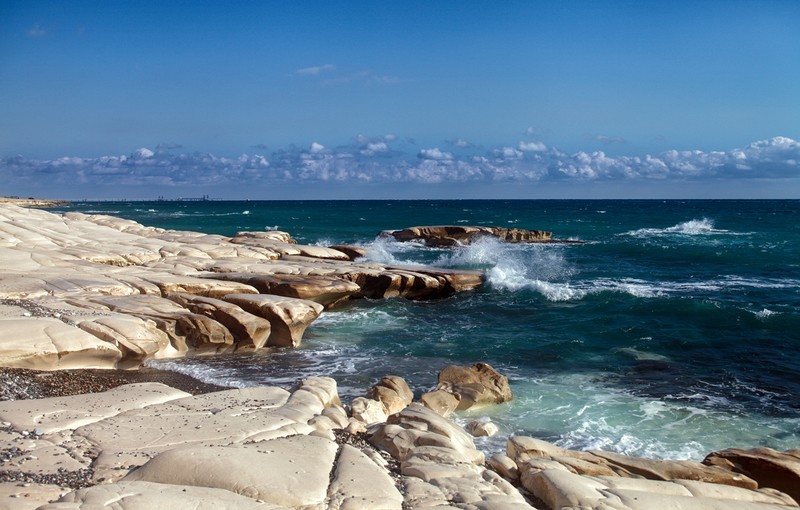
(671, 331)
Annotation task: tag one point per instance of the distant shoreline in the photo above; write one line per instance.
(32, 202)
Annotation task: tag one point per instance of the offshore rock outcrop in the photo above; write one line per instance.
(459, 235)
(95, 291)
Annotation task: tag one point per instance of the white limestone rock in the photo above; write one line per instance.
(292, 471)
(359, 483)
(481, 428)
(55, 414)
(288, 317)
(48, 344)
(147, 495)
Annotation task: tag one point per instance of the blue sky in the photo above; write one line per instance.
(400, 99)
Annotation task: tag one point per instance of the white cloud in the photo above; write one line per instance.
(373, 161)
(374, 148)
(460, 143)
(314, 70)
(532, 147)
(507, 153)
(607, 140)
(434, 154)
(142, 153)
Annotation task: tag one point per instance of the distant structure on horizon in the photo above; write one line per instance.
(204, 198)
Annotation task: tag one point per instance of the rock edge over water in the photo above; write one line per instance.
(148, 445)
(459, 235)
(95, 291)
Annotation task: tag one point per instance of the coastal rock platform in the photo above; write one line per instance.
(149, 445)
(94, 291)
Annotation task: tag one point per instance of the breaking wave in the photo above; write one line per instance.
(695, 227)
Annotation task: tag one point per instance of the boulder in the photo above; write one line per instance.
(288, 317)
(477, 385)
(441, 402)
(368, 411)
(247, 329)
(481, 428)
(768, 467)
(393, 392)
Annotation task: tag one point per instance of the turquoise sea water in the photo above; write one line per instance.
(673, 331)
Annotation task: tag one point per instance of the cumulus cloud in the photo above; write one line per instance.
(374, 148)
(532, 147)
(434, 154)
(372, 160)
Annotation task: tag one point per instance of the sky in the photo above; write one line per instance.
(414, 99)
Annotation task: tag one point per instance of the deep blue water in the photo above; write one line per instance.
(673, 331)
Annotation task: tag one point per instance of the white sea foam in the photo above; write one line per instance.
(580, 411)
(386, 250)
(695, 227)
(763, 314)
(640, 355)
(484, 251)
(208, 374)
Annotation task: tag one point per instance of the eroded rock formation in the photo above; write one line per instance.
(147, 445)
(458, 235)
(116, 293)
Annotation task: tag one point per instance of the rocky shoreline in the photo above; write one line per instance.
(32, 202)
(88, 293)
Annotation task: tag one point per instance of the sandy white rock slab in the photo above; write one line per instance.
(226, 416)
(291, 471)
(16, 496)
(61, 413)
(360, 483)
(47, 344)
(148, 495)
